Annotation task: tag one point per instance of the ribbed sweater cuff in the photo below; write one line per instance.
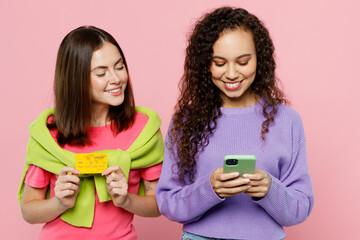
(271, 201)
(214, 198)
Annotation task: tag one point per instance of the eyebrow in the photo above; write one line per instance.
(105, 67)
(241, 56)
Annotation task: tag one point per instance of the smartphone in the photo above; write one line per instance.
(239, 163)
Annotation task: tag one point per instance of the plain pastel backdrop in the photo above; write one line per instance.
(317, 49)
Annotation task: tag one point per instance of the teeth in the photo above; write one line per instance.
(114, 90)
(232, 85)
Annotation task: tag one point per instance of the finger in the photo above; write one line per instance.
(115, 177)
(258, 175)
(259, 189)
(257, 194)
(255, 177)
(119, 191)
(233, 191)
(219, 174)
(69, 178)
(226, 176)
(71, 186)
(117, 185)
(234, 182)
(111, 169)
(263, 182)
(67, 169)
(64, 194)
(66, 186)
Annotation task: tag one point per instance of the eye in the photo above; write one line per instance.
(243, 63)
(119, 67)
(219, 63)
(100, 74)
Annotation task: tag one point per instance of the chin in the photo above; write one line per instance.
(117, 104)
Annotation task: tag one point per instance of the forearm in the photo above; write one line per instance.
(188, 203)
(291, 196)
(288, 205)
(41, 211)
(144, 206)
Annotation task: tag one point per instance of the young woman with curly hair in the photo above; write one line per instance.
(230, 104)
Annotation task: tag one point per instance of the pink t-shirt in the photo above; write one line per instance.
(110, 222)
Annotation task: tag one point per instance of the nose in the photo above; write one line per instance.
(114, 78)
(231, 72)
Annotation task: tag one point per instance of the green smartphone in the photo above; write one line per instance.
(239, 163)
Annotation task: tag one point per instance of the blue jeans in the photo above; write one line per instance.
(191, 236)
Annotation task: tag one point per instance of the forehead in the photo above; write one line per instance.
(106, 55)
(234, 42)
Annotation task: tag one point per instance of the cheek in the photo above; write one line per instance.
(250, 71)
(216, 73)
(97, 85)
(124, 77)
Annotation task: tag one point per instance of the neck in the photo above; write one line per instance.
(245, 100)
(100, 116)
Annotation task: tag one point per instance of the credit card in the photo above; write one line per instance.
(90, 163)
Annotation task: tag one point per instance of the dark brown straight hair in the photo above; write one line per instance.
(72, 88)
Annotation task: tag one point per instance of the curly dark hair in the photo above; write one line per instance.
(199, 103)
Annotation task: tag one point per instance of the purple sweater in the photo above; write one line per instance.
(283, 155)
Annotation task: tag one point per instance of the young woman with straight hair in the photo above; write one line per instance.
(94, 113)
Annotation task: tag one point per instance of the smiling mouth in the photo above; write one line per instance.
(113, 90)
(233, 85)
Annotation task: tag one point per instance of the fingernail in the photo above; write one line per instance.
(247, 180)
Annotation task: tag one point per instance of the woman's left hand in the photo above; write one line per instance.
(117, 185)
(260, 182)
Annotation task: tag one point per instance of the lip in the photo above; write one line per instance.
(118, 91)
(234, 85)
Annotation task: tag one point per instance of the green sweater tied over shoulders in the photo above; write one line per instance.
(43, 151)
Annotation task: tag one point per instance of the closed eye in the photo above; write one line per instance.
(121, 67)
(243, 63)
(100, 74)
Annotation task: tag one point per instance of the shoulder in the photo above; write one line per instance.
(150, 113)
(42, 119)
(288, 118)
(140, 120)
(153, 118)
(287, 113)
(40, 124)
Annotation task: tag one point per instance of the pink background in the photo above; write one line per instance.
(317, 48)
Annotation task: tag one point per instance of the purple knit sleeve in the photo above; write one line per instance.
(291, 198)
(183, 204)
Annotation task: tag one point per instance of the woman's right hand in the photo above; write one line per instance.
(67, 187)
(228, 184)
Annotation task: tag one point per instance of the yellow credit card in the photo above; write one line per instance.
(90, 163)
